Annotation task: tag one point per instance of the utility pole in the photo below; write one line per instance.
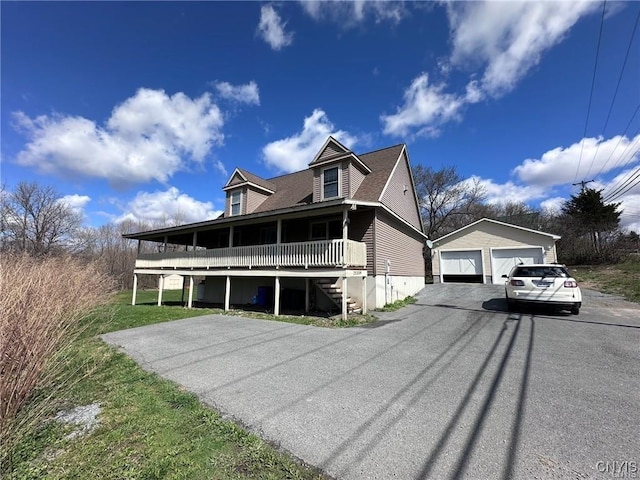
(583, 184)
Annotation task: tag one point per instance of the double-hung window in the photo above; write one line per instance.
(235, 202)
(330, 183)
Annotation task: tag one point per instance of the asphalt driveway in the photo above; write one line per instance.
(451, 387)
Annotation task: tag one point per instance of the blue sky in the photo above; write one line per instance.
(142, 110)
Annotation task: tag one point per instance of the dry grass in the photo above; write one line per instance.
(43, 302)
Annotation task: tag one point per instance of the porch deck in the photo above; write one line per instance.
(321, 253)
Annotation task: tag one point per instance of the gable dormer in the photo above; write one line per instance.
(245, 192)
(337, 172)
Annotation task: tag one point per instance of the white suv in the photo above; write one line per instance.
(548, 284)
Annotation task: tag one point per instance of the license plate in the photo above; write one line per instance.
(542, 284)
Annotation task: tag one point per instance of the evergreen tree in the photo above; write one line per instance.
(591, 215)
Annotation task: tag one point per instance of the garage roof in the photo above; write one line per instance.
(488, 220)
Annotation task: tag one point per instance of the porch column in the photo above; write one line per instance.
(276, 300)
(190, 301)
(195, 240)
(166, 240)
(364, 295)
(306, 295)
(139, 246)
(345, 235)
(278, 240)
(227, 293)
(344, 298)
(160, 287)
(135, 287)
(231, 235)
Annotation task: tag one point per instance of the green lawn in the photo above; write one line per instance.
(149, 427)
(146, 312)
(621, 279)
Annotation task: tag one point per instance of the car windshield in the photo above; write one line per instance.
(541, 272)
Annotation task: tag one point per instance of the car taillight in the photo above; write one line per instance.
(570, 284)
(517, 283)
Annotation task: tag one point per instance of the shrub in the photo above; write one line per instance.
(43, 302)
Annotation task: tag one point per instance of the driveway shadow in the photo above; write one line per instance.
(500, 305)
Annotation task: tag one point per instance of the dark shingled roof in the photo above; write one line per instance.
(381, 163)
(257, 180)
(297, 188)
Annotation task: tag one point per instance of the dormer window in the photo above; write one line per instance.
(236, 198)
(330, 183)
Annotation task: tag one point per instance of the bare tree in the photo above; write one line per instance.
(116, 254)
(447, 202)
(35, 220)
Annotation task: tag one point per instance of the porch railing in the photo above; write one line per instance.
(322, 253)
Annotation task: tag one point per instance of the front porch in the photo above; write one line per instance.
(327, 243)
(321, 253)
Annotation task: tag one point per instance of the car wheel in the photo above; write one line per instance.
(575, 310)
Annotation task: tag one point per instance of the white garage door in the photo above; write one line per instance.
(468, 262)
(502, 260)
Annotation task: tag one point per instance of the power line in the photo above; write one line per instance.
(621, 137)
(615, 94)
(623, 161)
(615, 191)
(593, 81)
(626, 186)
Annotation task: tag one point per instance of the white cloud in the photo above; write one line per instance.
(75, 202)
(239, 93)
(497, 193)
(593, 155)
(168, 207)
(553, 204)
(509, 37)
(295, 152)
(272, 29)
(498, 43)
(349, 13)
(630, 207)
(425, 108)
(146, 138)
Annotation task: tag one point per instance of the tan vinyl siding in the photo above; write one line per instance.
(329, 151)
(396, 242)
(490, 235)
(317, 179)
(236, 180)
(401, 202)
(361, 230)
(344, 189)
(254, 200)
(355, 180)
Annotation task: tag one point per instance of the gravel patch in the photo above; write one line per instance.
(85, 417)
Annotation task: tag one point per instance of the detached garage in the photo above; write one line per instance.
(487, 249)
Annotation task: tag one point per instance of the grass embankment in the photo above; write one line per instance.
(149, 428)
(146, 312)
(397, 305)
(621, 279)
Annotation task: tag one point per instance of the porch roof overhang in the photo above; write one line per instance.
(320, 208)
